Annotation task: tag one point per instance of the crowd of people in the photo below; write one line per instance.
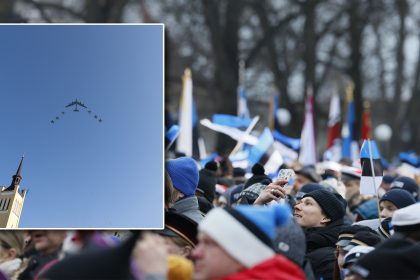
(222, 224)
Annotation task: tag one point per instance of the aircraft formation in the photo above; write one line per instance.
(82, 106)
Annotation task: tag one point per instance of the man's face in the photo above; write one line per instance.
(47, 241)
(387, 209)
(211, 260)
(309, 214)
(352, 188)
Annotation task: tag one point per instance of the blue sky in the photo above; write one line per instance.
(82, 173)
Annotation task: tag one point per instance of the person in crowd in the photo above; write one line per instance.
(385, 184)
(237, 243)
(321, 214)
(352, 256)
(184, 174)
(307, 188)
(391, 201)
(305, 175)
(169, 192)
(180, 234)
(394, 199)
(290, 242)
(206, 189)
(47, 244)
(398, 257)
(230, 197)
(258, 176)
(408, 184)
(346, 235)
(11, 250)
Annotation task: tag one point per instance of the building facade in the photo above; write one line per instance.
(11, 201)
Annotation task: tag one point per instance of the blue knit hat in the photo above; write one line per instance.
(246, 232)
(399, 197)
(184, 174)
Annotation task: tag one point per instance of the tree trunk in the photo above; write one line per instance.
(224, 41)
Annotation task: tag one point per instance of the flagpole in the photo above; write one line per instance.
(247, 131)
(373, 178)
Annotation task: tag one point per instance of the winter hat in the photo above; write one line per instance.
(310, 173)
(363, 238)
(400, 198)
(207, 184)
(179, 225)
(290, 241)
(333, 204)
(258, 172)
(249, 195)
(184, 174)
(307, 188)
(347, 233)
(355, 253)
(396, 258)
(407, 184)
(212, 166)
(246, 232)
(407, 219)
(388, 179)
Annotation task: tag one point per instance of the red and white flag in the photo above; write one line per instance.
(307, 153)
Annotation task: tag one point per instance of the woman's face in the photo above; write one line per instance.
(309, 214)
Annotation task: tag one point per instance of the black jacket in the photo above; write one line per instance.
(320, 248)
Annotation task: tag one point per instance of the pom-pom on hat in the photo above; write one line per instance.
(258, 176)
(400, 198)
(184, 174)
(246, 232)
(333, 204)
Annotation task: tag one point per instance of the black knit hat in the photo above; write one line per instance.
(258, 176)
(333, 204)
(399, 197)
(347, 233)
(207, 184)
(363, 238)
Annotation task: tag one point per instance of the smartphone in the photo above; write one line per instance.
(287, 174)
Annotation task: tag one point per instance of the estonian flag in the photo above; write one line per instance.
(371, 177)
(231, 121)
(265, 153)
(171, 135)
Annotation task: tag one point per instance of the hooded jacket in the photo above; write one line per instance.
(320, 248)
(277, 267)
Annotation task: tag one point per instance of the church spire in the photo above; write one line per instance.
(17, 177)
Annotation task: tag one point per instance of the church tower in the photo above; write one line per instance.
(11, 201)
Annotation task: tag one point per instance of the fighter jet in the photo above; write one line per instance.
(75, 103)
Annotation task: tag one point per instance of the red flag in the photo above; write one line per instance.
(366, 122)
